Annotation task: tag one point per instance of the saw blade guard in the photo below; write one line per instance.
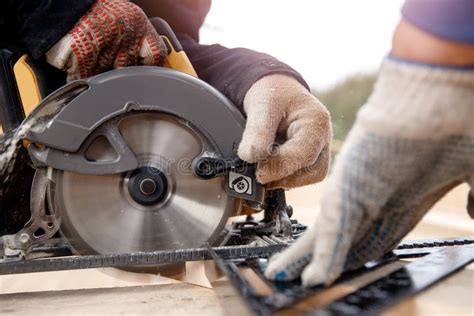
(125, 90)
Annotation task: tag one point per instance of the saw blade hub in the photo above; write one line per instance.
(148, 186)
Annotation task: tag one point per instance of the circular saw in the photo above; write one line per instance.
(137, 159)
(140, 159)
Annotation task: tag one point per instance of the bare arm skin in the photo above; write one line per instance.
(411, 43)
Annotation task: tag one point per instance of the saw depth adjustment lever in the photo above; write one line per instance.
(210, 167)
(239, 176)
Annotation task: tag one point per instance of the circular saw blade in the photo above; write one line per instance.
(99, 216)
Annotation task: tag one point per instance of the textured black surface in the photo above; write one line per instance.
(440, 258)
(407, 281)
(11, 111)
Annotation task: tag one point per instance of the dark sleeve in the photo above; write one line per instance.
(233, 71)
(6, 20)
(37, 24)
(184, 16)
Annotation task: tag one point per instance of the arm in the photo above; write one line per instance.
(233, 71)
(37, 25)
(279, 106)
(184, 16)
(275, 98)
(411, 143)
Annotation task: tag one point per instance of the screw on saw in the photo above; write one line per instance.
(24, 238)
(209, 167)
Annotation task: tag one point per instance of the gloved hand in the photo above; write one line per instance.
(280, 110)
(112, 34)
(412, 142)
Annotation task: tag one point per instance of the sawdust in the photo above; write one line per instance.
(16, 168)
(12, 141)
(10, 144)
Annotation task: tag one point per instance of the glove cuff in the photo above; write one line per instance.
(420, 102)
(433, 73)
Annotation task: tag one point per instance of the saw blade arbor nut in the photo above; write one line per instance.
(148, 187)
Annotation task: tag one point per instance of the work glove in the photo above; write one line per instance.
(112, 34)
(411, 143)
(288, 132)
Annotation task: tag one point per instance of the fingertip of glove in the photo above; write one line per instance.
(277, 274)
(280, 276)
(314, 274)
(263, 177)
(283, 268)
(246, 156)
(251, 152)
(311, 276)
(267, 173)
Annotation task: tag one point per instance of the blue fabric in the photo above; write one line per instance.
(449, 19)
(447, 67)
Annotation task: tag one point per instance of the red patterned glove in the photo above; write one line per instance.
(112, 34)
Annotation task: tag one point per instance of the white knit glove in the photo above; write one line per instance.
(280, 110)
(412, 142)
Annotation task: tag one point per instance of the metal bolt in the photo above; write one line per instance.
(24, 238)
(148, 186)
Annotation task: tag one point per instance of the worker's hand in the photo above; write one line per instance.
(112, 34)
(412, 142)
(280, 110)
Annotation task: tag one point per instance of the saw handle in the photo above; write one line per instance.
(177, 58)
